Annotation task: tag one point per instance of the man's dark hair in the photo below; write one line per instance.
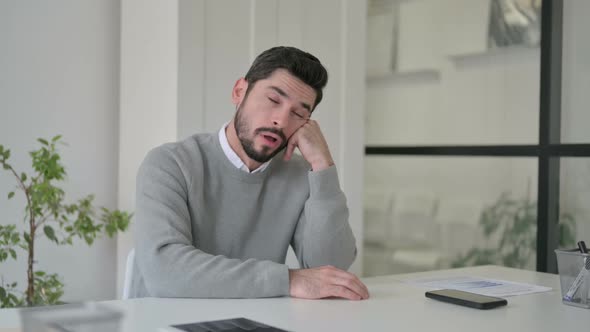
(300, 64)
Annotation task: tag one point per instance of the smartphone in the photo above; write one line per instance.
(467, 299)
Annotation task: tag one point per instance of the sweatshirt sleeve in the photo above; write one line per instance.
(169, 263)
(323, 235)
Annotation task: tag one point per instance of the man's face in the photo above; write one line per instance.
(271, 112)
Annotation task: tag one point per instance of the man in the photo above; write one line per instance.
(216, 213)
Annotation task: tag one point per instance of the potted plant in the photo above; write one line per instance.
(47, 214)
(514, 223)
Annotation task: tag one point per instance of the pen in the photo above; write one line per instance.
(569, 296)
(582, 247)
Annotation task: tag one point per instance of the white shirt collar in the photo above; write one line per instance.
(233, 157)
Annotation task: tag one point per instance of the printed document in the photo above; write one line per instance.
(483, 286)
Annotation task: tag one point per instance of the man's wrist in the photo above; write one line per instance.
(291, 277)
(322, 165)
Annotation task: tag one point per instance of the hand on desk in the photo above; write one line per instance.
(326, 281)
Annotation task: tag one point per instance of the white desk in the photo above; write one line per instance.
(393, 306)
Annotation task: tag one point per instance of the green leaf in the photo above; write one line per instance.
(10, 194)
(23, 177)
(12, 253)
(2, 292)
(56, 138)
(15, 238)
(43, 141)
(27, 237)
(39, 273)
(14, 299)
(50, 233)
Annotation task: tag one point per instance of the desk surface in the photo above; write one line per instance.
(393, 305)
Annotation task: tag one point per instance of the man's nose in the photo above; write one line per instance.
(281, 117)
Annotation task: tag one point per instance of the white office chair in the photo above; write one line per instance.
(128, 274)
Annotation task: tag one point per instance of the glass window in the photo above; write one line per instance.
(573, 202)
(438, 78)
(425, 213)
(576, 72)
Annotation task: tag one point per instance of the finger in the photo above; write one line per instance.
(314, 126)
(364, 291)
(289, 151)
(349, 280)
(343, 292)
(361, 284)
(354, 285)
(291, 147)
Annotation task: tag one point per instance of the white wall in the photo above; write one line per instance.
(59, 75)
(148, 111)
(204, 46)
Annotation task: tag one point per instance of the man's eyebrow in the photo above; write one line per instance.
(284, 94)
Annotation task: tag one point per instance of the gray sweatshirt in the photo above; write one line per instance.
(209, 230)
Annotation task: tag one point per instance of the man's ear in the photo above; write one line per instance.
(239, 91)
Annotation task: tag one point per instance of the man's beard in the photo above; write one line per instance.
(242, 130)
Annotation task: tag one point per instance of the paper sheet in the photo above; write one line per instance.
(483, 286)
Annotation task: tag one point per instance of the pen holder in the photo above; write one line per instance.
(574, 275)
